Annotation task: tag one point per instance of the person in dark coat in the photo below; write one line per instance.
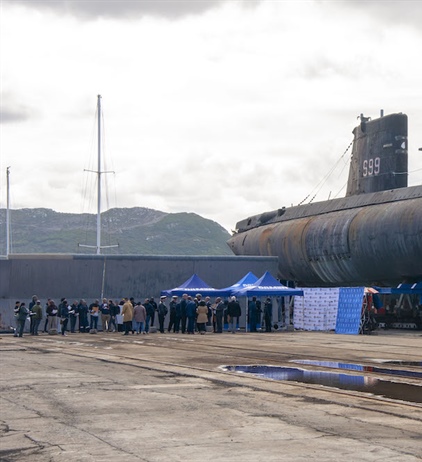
(219, 315)
(258, 313)
(233, 313)
(177, 324)
(21, 316)
(268, 314)
(83, 316)
(252, 314)
(31, 318)
(105, 315)
(114, 311)
(73, 315)
(173, 314)
(183, 316)
(155, 309)
(162, 312)
(64, 316)
(62, 301)
(150, 314)
(191, 315)
(209, 313)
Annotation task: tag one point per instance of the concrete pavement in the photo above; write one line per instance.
(158, 397)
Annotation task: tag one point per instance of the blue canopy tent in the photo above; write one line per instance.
(247, 281)
(267, 286)
(195, 285)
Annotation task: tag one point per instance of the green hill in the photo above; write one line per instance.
(137, 231)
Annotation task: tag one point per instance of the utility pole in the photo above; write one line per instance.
(7, 211)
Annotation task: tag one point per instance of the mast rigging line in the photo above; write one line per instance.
(319, 186)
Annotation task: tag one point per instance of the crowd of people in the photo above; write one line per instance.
(188, 315)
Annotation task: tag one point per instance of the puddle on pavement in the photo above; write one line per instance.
(378, 387)
(404, 363)
(360, 368)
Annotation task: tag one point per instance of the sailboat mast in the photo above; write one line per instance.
(99, 178)
(98, 247)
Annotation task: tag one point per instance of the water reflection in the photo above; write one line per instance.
(385, 388)
(405, 363)
(358, 367)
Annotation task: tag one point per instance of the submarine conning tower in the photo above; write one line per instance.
(379, 156)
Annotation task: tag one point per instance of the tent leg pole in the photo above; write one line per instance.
(247, 315)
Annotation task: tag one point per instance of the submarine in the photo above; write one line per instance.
(372, 236)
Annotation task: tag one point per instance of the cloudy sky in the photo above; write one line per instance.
(225, 108)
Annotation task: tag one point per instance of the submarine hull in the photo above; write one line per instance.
(367, 243)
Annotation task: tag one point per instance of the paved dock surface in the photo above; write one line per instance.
(165, 397)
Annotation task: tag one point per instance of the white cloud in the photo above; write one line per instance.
(228, 112)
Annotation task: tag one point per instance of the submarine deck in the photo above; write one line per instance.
(329, 206)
